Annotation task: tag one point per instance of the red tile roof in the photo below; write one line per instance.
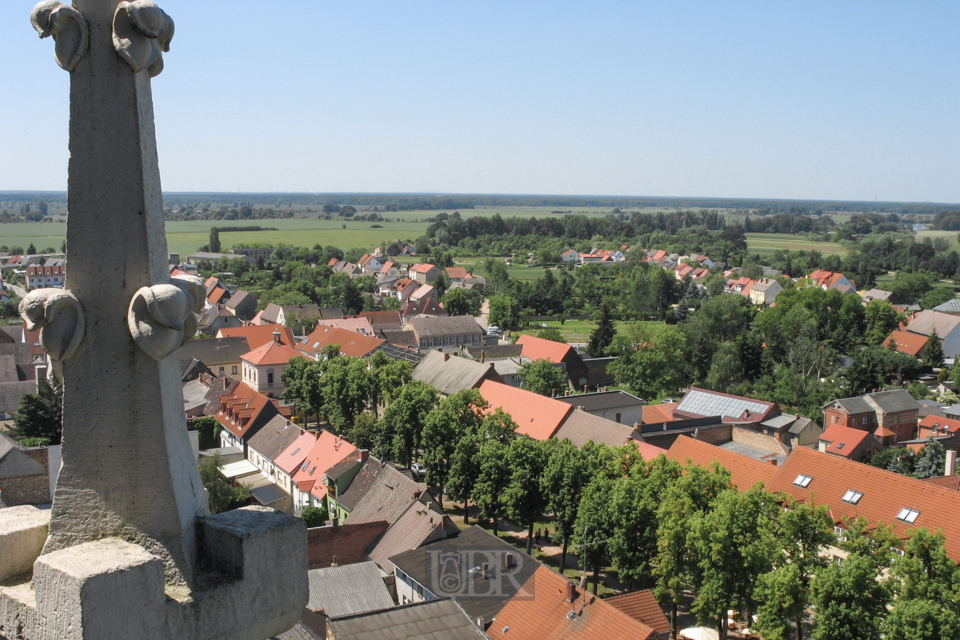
(389, 264)
(456, 272)
(359, 325)
(745, 472)
(536, 416)
(537, 348)
(258, 335)
(351, 343)
(909, 343)
(422, 268)
(539, 611)
(643, 607)
(294, 455)
(647, 450)
(942, 426)
(246, 409)
(327, 451)
(844, 441)
(657, 413)
(885, 494)
(271, 353)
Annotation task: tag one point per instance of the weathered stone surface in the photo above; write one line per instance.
(23, 530)
(59, 317)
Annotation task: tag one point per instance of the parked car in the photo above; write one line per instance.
(494, 330)
(417, 469)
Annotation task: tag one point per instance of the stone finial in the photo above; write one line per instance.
(162, 317)
(68, 28)
(141, 32)
(59, 316)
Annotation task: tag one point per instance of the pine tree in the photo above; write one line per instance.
(602, 336)
(41, 414)
(214, 240)
(933, 353)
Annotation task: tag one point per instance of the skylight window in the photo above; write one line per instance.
(840, 446)
(803, 480)
(851, 496)
(908, 515)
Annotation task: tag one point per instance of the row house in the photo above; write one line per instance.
(445, 331)
(243, 412)
(52, 276)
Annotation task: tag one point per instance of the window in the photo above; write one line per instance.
(864, 420)
(803, 481)
(908, 515)
(221, 369)
(841, 445)
(840, 532)
(618, 417)
(269, 377)
(851, 496)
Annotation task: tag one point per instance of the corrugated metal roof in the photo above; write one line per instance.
(701, 402)
(348, 590)
(268, 494)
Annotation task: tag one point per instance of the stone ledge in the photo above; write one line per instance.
(23, 530)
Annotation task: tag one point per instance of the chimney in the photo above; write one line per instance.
(276, 337)
(772, 461)
(507, 560)
(446, 357)
(481, 623)
(571, 591)
(364, 454)
(416, 494)
(334, 562)
(483, 570)
(951, 462)
(483, 354)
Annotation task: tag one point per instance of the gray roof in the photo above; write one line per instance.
(926, 321)
(779, 422)
(701, 402)
(895, 401)
(268, 493)
(877, 294)
(14, 463)
(194, 395)
(274, 437)
(431, 620)
(854, 405)
(397, 352)
(215, 351)
(360, 484)
(418, 525)
(388, 497)
(465, 552)
(449, 374)
(495, 352)
(348, 590)
(950, 306)
(443, 326)
(798, 426)
(12, 392)
(581, 427)
(602, 400)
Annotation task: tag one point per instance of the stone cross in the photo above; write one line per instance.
(127, 466)
(129, 549)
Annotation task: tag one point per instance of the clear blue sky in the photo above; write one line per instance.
(846, 100)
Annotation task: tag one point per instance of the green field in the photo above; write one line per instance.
(767, 243)
(578, 331)
(935, 233)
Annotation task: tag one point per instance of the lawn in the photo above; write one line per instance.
(767, 243)
(578, 331)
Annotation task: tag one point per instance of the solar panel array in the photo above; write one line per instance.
(710, 404)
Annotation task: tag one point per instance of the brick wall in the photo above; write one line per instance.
(25, 490)
(756, 439)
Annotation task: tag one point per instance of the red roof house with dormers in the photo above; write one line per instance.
(244, 412)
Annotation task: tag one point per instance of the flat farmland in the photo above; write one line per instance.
(767, 243)
(951, 236)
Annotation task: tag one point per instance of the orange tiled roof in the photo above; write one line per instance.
(270, 353)
(389, 264)
(643, 607)
(422, 268)
(657, 413)
(942, 425)
(909, 343)
(539, 612)
(351, 343)
(258, 335)
(536, 416)
(246, 408)
(294, 455)
(327, 451)
(844, 441)
(217, 295)
(745, 472)
(537, 348)
(456, 272)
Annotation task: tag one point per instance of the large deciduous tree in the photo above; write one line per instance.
(492, 481)
(543, 377)
(443, 428)
(404, 419)
(525, 501)
(566, 474)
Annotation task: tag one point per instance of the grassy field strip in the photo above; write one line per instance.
(767, 243)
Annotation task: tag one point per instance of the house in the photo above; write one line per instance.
(258, 335)
(450, 374)
(951, 307)
(291, 314)
(445, 331)
(369, 263)
(342, 266)
(252, 254)
(558, 353)
(418, 525)
(347, 590)
(424, 291)
(400, 289)
(658, 413)
(427, 306)
(209, 256)
(482, 595)
(380, 320)
(935, 427)
(242, 412)
(742, 286)
(580, 427)
(217, 317)
(508, 369)
(457, 276)
(570, 255)
(346, 491)
(828, 280)
(911, 344)
(340, 545)
(947, 327)
(874, 294)
(217, 292)
(263, 367)
(644, 608)
(243, 305)
(434, 619)
(701, 403)
(350, 343)
(220, 355)
(270, 442)
(357, 324)
(890, 415)
(536, 416)
(388, 496)
(339, 477)
(852, 444)
(24, 474)
(792, 430)
(309, 488)
(424, 273)
(618, 406)
(389, 268)
(542, 609)
(11, 393)
(288, 462)
(765, 291)
(51, 276)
